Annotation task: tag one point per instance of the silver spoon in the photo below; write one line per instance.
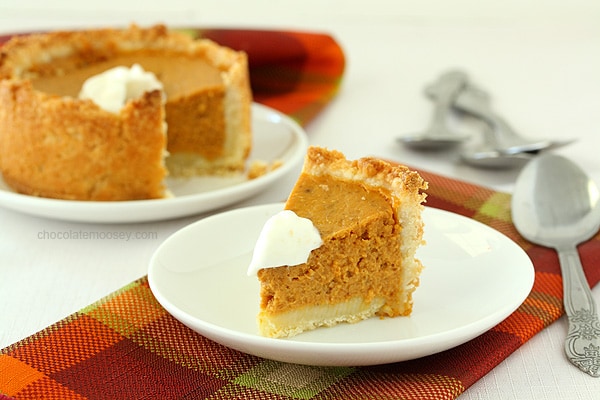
(505, 139)
(438, 135)
(555, 204)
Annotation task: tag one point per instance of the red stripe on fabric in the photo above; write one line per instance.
(467, 362)
(126, 370)
(68, 342)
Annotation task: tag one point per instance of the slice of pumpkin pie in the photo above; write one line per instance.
(350, 231)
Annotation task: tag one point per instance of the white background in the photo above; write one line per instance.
(540, 60)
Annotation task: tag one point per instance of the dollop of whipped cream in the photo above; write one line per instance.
(286, 239)
(112, 88)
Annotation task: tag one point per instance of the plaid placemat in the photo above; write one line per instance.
(127, 346)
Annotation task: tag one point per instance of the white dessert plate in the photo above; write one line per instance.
(275, 137)
(474, 278)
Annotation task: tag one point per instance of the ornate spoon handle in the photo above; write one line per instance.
(583, 340)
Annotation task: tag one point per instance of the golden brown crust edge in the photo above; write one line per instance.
(397, 178)
(40, 127)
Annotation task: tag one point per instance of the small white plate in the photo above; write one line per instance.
(474, 278)
(275, 137)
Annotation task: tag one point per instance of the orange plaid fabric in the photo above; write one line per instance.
(127, 346)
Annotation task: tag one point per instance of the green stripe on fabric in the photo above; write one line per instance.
(293, 380)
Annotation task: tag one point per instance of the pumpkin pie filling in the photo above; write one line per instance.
(181, 77)
(362, 232)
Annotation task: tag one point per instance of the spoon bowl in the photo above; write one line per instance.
(555, 204)
(494, 159)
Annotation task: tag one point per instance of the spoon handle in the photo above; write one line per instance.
(474, 101)
(583, 340)
(446, 88)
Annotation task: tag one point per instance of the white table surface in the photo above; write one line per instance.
(539, 59)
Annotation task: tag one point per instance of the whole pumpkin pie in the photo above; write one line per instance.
(55, 144)
(368, 215)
